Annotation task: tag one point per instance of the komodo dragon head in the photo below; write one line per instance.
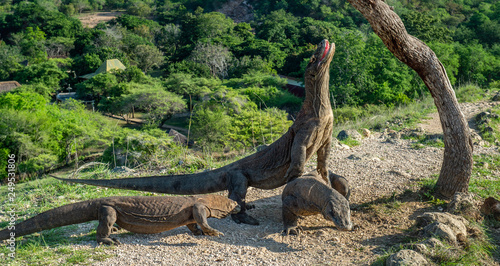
(319, 66)
(337, 210)
(220, 207)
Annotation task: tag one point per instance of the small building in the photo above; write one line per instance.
(63, 96)
(294, 86)
(6, 86)
(108, 65)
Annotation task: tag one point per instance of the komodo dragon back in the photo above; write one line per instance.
(279, 163)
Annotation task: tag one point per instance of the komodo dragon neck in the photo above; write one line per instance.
(282, 161)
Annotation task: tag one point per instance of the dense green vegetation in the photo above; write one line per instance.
(183, 56)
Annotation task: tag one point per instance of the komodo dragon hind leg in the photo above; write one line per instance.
(194, 229)
(237, 191)
(200, 216)
(107, 218)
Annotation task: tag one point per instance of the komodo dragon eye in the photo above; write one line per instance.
(313, 59)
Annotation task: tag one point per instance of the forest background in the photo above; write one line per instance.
(191, 66)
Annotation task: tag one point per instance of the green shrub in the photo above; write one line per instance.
(469, 93)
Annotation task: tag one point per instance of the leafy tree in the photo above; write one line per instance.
(10, 56)
(32, 43)
(87, 63)
(202, 26)
(210, 128)
(280, 27)
(99, 86)
(158, 104)
(425, 27)
(139, 8)
(216, 57)
(148, 57)
(47, 73)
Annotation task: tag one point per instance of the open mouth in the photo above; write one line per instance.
(327, 49)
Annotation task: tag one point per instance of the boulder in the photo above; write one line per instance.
(444, 225)
(349, 133)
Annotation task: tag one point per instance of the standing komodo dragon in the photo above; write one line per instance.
(309, 195)
(144, 215)
(272, 167)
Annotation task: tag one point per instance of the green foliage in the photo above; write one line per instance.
(189, 86)
(469, 93)
(211, 127)
(425, 27)
(148, 57)
(272, 97)
(10, 56)
(215, 129)
(133, 148)
(47, 73)
(101, 85)
(44, 136)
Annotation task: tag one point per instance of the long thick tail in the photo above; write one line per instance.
(200, 183)
(65, 215)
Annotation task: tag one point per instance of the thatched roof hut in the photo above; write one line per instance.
(6, 86)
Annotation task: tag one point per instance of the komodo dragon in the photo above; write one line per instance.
(272, 167)
(145, 215)
(310, 195)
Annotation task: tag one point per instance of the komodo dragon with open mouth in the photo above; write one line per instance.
(144, 215)
(272, 167)
(309, 195)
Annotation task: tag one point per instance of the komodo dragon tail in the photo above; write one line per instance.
(199, 183)
(65, 215)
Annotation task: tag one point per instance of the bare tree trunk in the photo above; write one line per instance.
(457, 163)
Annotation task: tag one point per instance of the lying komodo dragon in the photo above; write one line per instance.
(310, 195)
(272, 167)
(145, 215)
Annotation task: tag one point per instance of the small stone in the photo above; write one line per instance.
(406, 257)
(365, 132)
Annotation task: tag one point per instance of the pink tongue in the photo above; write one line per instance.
(327, 47)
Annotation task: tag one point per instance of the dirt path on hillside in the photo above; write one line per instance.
(379, 168)
(90, 20)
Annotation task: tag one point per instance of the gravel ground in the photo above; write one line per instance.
(377, 168)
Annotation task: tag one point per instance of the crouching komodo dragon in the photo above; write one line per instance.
(310, 195)
(272, 167)
(145, 215)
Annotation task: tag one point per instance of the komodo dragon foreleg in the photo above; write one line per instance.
(302, 140)
(107, 218)
(200, 213)
(323, 153)
(289, 217)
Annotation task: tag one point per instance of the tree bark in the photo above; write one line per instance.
(457, 163)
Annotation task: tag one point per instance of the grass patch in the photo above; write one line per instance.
(350, 142)
(470, 93)
(377, 117)
(427, 141)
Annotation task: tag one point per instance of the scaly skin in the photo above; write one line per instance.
(144, 215)
(272, 167)
(340, 184)
(310, 195)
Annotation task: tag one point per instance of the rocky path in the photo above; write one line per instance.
(382, 166)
